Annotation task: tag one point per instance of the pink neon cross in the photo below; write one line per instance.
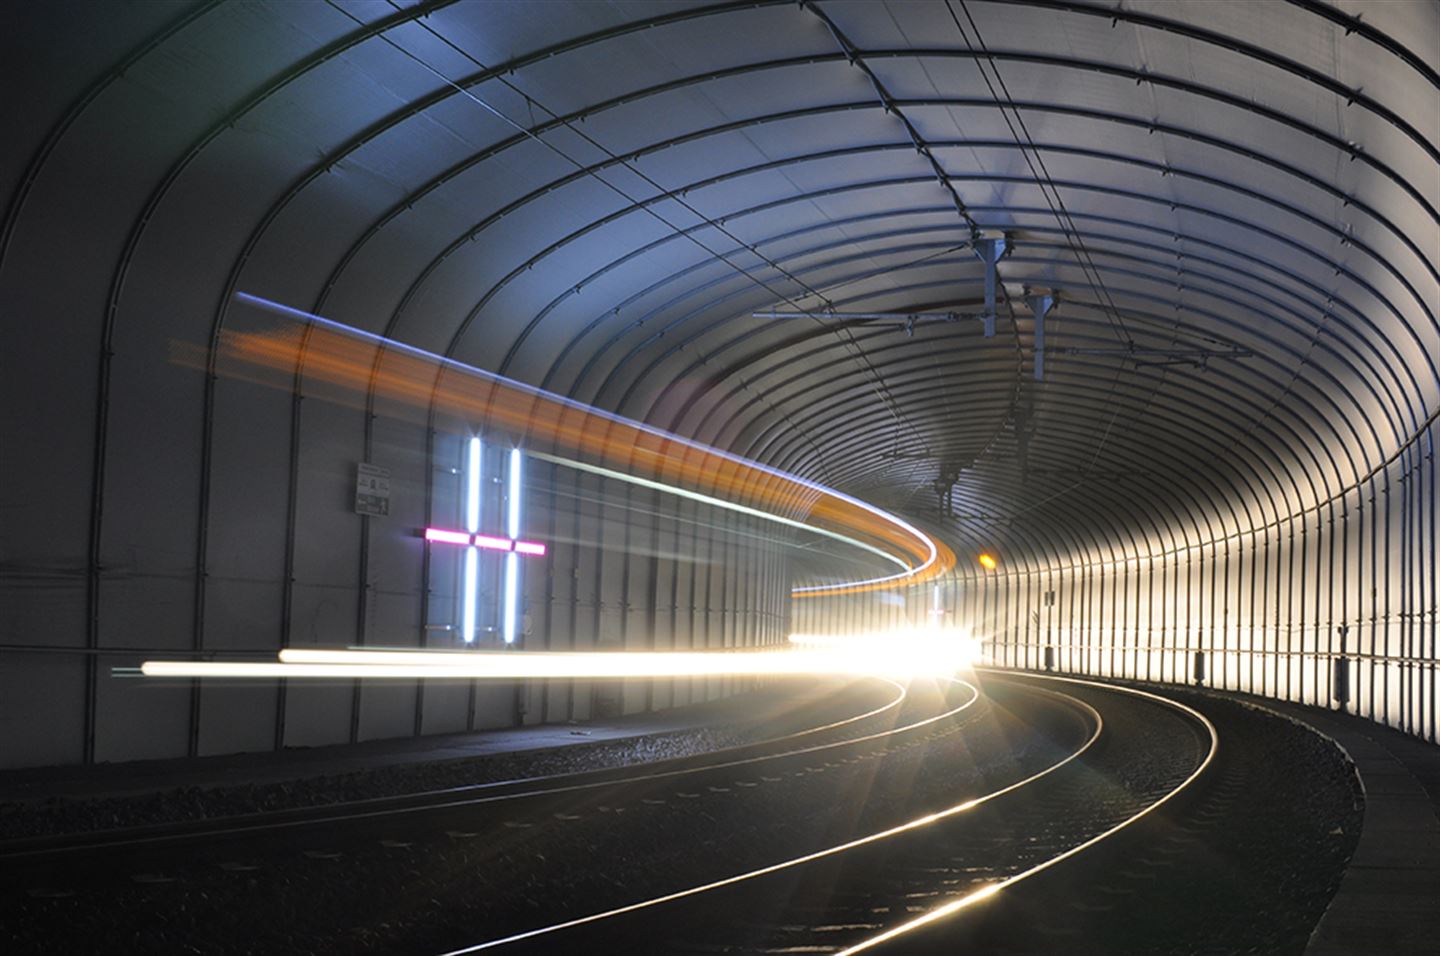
(484, 541)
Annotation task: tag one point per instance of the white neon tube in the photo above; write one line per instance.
(929, 543)
(512, 561)
(513, 522)
(469, 596)
(472, 486)
(512, 595)
(470, 588)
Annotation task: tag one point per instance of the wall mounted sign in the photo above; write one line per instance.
(372, 490)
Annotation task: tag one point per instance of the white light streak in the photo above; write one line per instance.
(722, 503)
(929, 649)
(894, 659)
(389, 343)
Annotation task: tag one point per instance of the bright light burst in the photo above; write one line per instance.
(928, 651)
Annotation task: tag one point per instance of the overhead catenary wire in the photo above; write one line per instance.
(881, 389)
(856, 58)
(1031, 153)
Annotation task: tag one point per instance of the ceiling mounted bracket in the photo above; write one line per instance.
(990, 249)
(1040, 304)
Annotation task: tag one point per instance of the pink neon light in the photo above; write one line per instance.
(448, 537)
(495, 544)
(484, 541)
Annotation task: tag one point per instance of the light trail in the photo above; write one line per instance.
(338, 356)
(955, 906)
(884, 655)
(716, 503)
(876, 837)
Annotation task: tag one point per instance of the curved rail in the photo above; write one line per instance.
(909, 827)
(954, 906)
(876, 837)
(169, 834)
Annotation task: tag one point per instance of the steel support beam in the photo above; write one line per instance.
(1040, 305)
(990, 250)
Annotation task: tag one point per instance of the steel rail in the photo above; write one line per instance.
(878, 836)
(955, 906)
(908, 826)
(451, 798)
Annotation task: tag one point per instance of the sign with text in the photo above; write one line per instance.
(372, 490)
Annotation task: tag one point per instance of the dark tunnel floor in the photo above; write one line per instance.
(1243, 864)
(101, 797)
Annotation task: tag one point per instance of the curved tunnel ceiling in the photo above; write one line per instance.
(1235, 205)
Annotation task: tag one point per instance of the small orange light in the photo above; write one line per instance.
(988, 562)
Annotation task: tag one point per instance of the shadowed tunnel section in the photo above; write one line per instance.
(1224, 471)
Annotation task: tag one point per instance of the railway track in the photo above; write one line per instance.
(877, 889)
(1010, 822)
(148, 845)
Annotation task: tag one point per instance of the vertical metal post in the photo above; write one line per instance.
(1205, 627)
(1330, 579)
(1225, 620)
(990, 250)
(1382, 610)
(1265, 619)
(1304, 574)
(1431, 539)
(1040, 306)
(1407, 593)
(1341, 691)
(1164, 616)
(1376, 692)
(1289, 616)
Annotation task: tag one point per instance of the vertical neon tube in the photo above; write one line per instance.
(472, 487)
(468, 601)
(470, 593)
(512, 560)
(513, 524)
(512, 594)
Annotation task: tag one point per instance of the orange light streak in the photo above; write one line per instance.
(344, 368)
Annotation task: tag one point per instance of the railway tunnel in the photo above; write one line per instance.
(719, 477)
